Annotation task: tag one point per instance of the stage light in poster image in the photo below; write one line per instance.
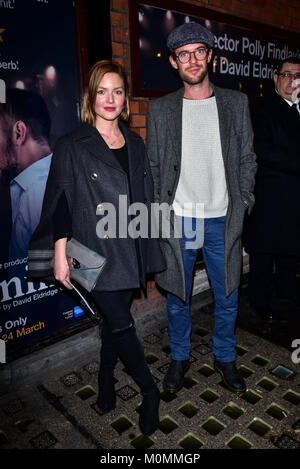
(50, 73)
(169, 21)
(20, 85)
(47, 80)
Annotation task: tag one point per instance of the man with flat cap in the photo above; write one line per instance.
(199, 142)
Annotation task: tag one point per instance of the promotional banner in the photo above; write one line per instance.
(40, 102)
(242, 59)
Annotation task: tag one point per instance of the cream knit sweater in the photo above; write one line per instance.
(202, 175)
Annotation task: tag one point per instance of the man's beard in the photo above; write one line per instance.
(8, 166)
(190, 80)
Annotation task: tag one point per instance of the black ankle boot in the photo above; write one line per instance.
(173, 380)
(149, 412)
(132, 355)
(107, 396)
(231, 376)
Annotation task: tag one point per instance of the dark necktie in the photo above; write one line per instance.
(295, 110)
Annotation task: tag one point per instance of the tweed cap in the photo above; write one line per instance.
(189, 33)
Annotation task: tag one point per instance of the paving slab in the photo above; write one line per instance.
(48, 398)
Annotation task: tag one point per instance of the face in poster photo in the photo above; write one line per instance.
(41, 75)
(24, 143)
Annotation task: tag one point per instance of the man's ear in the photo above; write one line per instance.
(209, 56)
(173, 62)
(19, 133)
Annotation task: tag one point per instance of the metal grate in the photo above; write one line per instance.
(190, 442)
(238, 442)
(43, 441)
(287, 442)
(167, 425)
(203, 414)
(71, 379)
(213, 426)
(121, 424)
(126, 393)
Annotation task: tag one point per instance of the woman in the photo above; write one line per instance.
(91, 168)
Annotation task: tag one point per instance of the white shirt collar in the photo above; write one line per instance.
(290, 103)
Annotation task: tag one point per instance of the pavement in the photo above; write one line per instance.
(47, 398)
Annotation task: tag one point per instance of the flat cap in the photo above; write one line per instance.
(189, 33)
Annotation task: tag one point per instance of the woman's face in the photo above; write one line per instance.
(110, 97)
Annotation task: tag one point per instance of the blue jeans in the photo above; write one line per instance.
(209, 237)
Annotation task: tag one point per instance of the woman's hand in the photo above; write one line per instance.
(61, 266)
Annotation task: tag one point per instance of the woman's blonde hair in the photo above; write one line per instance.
(96, 73)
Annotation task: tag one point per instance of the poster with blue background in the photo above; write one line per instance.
(38, 66)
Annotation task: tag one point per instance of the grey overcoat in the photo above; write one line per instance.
(90, 175)
(164, 134)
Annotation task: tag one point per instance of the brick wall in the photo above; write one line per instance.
(283, 14)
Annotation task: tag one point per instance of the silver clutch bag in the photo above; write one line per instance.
(86, 265)
(85, 268)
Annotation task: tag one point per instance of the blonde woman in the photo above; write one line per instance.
(94, 165)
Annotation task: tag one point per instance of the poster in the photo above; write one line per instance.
(38, 66)
(243, 59)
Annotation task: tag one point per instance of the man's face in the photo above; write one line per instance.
(284, 84)
(195, 70)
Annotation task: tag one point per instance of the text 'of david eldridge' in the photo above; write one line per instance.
(153, 458)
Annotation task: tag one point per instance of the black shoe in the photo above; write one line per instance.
(106, 405)
(173, 381)
(231, 377)
(149, 416)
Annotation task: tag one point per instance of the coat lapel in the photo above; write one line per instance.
(174, 122)
(132, 142)
(225, 118)
(92, 140)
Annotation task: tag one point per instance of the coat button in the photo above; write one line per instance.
(145, 173)
(99, 208)
(175, 167)
(169, 192)
(94, 176)
(106, 236)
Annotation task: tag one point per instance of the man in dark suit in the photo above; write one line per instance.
(272, 233)
(199, 142)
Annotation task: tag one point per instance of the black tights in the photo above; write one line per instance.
(123, 343)
(126, 345)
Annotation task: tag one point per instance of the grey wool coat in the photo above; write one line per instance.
(90, 175)
(164, 135)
